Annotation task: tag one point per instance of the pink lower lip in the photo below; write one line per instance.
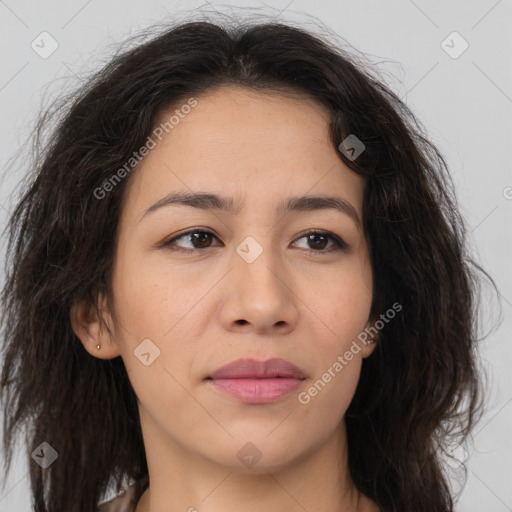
(257, 391)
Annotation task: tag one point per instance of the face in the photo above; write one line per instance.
(205, 287)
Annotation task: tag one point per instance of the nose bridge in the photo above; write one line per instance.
(260, 293)
(257, 264)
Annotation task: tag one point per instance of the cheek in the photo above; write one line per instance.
(341, 299)
(157, 304)
(150, 299)
(343, 312)
(342, 308)
(152, 320)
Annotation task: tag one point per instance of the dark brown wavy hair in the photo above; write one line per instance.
(418, 391)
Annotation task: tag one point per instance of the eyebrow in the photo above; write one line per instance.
(214, 202)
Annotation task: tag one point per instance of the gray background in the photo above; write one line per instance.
(464, 102)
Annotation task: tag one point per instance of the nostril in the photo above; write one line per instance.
(241, 322)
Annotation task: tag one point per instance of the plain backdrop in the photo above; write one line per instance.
(459, 84)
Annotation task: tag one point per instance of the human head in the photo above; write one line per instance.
(65, 239)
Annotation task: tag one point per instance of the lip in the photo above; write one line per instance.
(257, 391)
(257, 382)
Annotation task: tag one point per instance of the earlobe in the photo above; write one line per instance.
(369, 347)
(89, 328)
(370, 342)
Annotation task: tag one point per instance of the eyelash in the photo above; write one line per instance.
(339, 244)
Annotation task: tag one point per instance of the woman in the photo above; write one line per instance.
(239, 278)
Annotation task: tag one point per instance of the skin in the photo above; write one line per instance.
(304, 306)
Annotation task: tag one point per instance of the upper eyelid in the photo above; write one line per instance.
(188, 232)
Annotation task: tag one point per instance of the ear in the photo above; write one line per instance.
(90, 328)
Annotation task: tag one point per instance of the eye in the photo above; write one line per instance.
(319, 239)
(201, 239)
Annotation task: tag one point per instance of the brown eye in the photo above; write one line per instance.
(197, 239)
(317, 241)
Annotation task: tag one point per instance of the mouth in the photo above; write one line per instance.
(257, 382)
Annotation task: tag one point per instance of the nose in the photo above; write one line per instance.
(259, 295)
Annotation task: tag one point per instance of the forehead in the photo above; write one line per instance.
(246, 144)
(238, 118)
